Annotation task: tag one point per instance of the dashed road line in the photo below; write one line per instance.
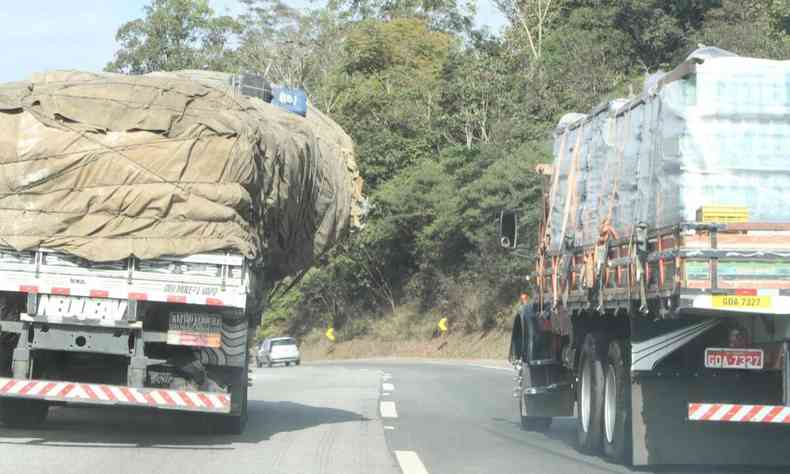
(410, 462)
(388, 387)
(509, 369)
(389, 427)
(388, 409)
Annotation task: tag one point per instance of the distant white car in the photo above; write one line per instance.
(278, 350)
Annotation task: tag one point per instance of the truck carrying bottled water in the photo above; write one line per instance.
(663, 270)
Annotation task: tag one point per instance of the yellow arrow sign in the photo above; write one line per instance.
(443, 325)
(330, 334)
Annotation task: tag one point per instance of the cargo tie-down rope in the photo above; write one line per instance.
(547, 237)
(571, 199)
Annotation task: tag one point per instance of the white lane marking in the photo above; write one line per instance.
(5, 440)
(386, 394)
(388, 387)
(509, 369)
(388, 410)
(410, 463)
(389, 427)
(386, 377)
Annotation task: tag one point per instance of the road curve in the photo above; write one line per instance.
(363, 417)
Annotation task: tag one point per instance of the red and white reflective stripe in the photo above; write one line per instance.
(228, 299)
(735, 413)
(114, 394)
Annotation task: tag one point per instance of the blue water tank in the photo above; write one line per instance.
(291, 99)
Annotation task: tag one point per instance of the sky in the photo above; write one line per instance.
(80, 34)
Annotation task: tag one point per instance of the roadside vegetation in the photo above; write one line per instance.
(449, 122)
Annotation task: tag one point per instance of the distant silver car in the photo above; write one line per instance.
(278, 350)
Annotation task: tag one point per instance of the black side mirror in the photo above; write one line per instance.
(508, 229)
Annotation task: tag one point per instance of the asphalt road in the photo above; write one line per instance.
(345, 418)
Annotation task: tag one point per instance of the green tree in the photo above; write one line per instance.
(390, 93)
(296, 47)
(749, 27)
(476, 94)
(173, 35)
(443, 15)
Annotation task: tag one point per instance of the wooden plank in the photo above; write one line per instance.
(762, 284)
(753, 241)
(757, 226)
(696, 241)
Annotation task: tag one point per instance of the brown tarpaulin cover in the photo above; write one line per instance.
(104, 166)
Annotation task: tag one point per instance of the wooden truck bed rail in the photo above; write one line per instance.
(685, 260)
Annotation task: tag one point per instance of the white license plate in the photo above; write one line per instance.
(81, 308)
(725, 358)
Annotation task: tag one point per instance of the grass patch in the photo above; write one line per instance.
(408, 334)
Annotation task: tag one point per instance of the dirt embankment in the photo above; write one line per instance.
(490, 345)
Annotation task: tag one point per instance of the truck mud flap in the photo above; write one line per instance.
(100, 394)
(664, 434)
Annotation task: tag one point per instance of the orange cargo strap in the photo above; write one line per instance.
(571, 193)
(556, 178)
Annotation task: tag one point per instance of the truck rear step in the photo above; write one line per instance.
(100, 394)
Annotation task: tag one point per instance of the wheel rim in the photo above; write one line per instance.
(610, 405)
(585, 395)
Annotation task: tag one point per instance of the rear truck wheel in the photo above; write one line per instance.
(236, 422)
(298, 361)
(21, 413)
(617, 405)
(287, 364)
(589, 396)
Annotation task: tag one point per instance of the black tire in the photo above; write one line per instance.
(589, 396)
(21, 413)
(234, 423)
(287, 364)
(617, 405)
(298, 362)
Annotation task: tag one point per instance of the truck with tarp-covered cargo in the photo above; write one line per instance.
(662, 282)
(141, 220)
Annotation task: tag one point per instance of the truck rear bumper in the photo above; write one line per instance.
(100, 394)
(735, 413)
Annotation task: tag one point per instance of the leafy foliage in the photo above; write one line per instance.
(175, 34)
